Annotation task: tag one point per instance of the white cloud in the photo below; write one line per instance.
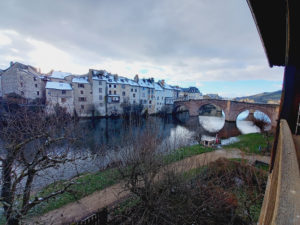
(47, 57)
(4, 40)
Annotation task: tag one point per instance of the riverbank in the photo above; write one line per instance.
(87, 185)
(89, 204)
(254, 143)
(101, 180)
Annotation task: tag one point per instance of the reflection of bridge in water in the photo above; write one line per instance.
(231, 108)
(193, 124)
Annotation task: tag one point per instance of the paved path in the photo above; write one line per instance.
(92, 203)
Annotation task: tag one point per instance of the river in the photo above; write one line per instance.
(103, 139)
(175, 131)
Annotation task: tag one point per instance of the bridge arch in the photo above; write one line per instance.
(180, 108)
(269, 113)
(211, 104)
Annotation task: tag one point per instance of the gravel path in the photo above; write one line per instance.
(100, 199)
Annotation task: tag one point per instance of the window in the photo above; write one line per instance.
(81, 92)
(82, 106)
(37, 93)
(63, 100)
(21, 84)
(134, 95)
(109, 92)
(49, 93)
(123, 93)
(115, 86)
(109, 85)
(145, 101)
(63, 92)
(100, 82)
(135, 90)
(149, 101)
(100, 97)
(157, 97)
(34, 78)
(113, 99)
(81, 99)
(101, 104)
(100, 90)
(133, 101)
(131, 89)
(22, 92)
(115, 92)
(81, 85)
(123, 86)
(141, 101)
(35, 85)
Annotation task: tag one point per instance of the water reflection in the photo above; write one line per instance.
(212, 123)
(174, 132)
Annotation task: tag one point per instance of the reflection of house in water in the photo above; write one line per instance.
(119, 132)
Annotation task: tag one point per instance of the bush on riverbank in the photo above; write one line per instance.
(256, 143)
(224, 192)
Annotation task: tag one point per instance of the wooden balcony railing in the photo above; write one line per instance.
(281, 204)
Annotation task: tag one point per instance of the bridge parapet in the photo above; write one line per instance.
(281, 204)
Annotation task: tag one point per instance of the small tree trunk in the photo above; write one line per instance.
(26, 194)
(6, 194)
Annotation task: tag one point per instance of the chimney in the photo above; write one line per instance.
(136, 78)
(11, 63)
(162, 82)
(116, 77)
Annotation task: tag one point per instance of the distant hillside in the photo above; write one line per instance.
(265, 97)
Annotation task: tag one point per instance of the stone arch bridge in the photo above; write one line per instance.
(231, 108)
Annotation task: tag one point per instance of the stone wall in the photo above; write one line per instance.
(54, 97)
(26, 83)
(83, 99)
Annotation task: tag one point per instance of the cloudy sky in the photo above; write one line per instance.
(211, 44)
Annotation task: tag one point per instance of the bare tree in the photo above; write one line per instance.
(164, 195)
(263, 122)
(29, 144)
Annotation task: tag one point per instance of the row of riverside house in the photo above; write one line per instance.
(97, 93)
